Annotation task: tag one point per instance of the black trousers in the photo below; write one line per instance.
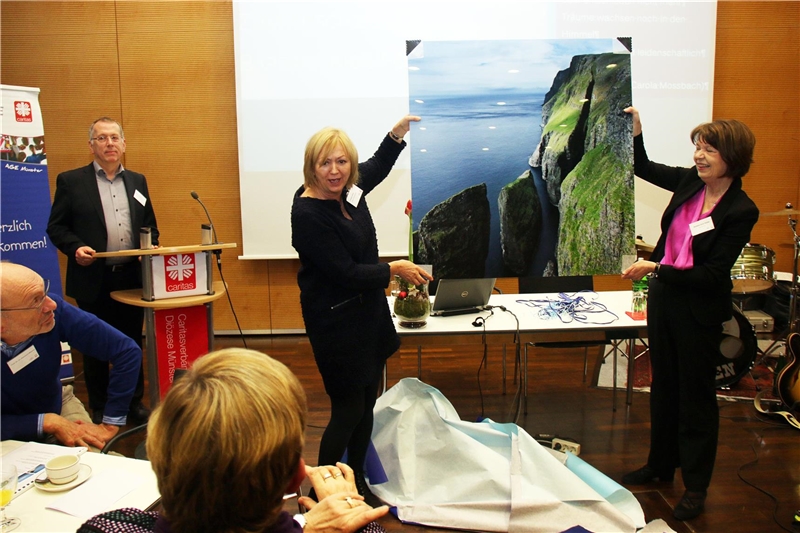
(126, 318)
(350, 427)
(684, 414)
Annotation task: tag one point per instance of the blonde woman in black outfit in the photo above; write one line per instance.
(342, 285)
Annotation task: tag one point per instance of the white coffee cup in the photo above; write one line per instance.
(62, 469)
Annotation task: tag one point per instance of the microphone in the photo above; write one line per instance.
(213, 229)
(218, 254)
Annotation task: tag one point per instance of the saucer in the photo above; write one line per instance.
(83, 474)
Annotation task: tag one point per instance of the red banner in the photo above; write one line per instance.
(181, 337)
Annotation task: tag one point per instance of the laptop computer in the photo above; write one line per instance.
(462, 296)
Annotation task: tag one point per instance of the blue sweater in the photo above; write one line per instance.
(36, 388)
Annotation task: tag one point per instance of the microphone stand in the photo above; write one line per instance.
(217, 253)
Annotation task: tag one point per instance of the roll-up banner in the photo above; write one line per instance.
(25, 190)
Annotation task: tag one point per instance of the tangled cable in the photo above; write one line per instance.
(573, 308)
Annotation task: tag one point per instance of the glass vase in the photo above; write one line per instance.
(412, 305)
(639, 301)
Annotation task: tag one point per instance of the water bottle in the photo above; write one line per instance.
(205, 234)
(145, 238)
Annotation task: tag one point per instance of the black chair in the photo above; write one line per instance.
(140, 452)
(567, 284)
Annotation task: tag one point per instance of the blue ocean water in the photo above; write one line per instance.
(472, 139)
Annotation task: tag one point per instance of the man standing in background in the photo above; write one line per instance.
(101, 208)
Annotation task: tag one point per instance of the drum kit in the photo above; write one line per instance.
(752, 274)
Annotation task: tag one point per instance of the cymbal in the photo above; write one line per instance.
(782, 212)
(642, 246)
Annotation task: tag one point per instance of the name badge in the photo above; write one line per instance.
(354, 195)
(28, 356)
(701, 226)
(140, 197)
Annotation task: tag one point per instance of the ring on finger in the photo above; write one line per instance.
(337, 474)
(326, 476)
(350, 502)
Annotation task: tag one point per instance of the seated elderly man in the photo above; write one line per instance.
(34, 405)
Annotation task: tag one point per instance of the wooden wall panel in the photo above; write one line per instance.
(166, 70)
(284, 305)
(756, 81)
(31, 20)
(179, 109)
(69, 51)
(75, 89)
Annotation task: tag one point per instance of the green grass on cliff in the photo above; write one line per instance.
(596, 186)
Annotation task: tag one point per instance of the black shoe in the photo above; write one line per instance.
(692, 504)
(138, 414)
(363, 489)
(97, 416)
(645, 474)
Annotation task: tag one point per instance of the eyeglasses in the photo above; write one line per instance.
(38, 303)
(107, 138)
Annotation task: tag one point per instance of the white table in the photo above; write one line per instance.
(30, 506)
(501, 328)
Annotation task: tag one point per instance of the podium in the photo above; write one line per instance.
(177, 295)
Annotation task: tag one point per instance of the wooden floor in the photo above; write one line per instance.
(756, 483)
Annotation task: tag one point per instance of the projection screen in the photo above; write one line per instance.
(301, 66)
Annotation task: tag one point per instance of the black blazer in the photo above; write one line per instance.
(707, 285)
(76, 219)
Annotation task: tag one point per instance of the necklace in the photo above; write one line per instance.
(710, 197)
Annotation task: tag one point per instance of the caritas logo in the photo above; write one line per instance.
(22, 111)
(181, 272)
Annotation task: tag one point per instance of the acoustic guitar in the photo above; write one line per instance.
(788, 379)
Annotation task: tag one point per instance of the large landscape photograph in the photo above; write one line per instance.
(522, 164)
